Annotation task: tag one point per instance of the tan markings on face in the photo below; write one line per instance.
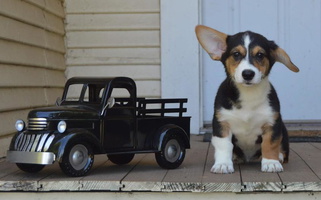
(233, 60)
(270, 147)
(260, 61)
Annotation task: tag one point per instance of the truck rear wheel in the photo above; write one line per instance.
(120, 159)
(77, 160)
(30, 168)
(172, 152)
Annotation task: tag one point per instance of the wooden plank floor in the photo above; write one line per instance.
(302, 173)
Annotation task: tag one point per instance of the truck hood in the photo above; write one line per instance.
(65, 112)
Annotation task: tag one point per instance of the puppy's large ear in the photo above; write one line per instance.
(281, 56)
(213, 41)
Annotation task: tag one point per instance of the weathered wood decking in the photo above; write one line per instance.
(302, 173)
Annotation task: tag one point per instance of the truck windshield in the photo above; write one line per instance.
(84, 93)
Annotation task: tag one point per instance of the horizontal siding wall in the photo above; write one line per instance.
(32, 62)
(115, 38)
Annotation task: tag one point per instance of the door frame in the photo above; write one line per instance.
(181, 71)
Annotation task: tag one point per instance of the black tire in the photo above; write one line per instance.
(172, 152)
(77, 159)
(120, 159)
(30, 168)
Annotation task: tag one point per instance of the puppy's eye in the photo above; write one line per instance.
(237, 55)
(259, 56)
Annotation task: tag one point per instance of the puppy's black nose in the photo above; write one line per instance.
(248, 74)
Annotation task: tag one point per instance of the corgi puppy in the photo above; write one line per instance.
(247, 123)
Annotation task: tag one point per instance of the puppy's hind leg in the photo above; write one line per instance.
(223, 154)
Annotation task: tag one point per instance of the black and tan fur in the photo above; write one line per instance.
(247, 122)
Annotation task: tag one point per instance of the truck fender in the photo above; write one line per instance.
(170, 129)
(75, 135)
(13, 141)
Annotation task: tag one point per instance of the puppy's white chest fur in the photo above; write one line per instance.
(247, 119)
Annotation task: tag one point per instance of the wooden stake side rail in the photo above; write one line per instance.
(302, 173)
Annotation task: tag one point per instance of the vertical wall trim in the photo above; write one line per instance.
(180, 55)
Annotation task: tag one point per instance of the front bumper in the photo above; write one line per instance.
(42, 158)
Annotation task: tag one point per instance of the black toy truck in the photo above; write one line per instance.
(101, 116)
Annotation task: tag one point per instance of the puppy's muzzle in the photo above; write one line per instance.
(248, 74)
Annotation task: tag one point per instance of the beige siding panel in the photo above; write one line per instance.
(5, 142)
(111, 6)
(148, 89)
(30, 35)
(55, 42)
(32, 61)
(25, 98)
(22, 76)
(52, 94)
(55, 78)
(113, 39)
(55, 60)
(23, 11)
(54, 7)
(31, 14)
(138, 21)
(39, 3)
(21, 98)
(27, 34)
(146, 77)
(8, 119)
(113, 56)
(137, 72)
(21, 54)
(54, 23)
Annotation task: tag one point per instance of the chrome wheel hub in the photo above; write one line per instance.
(172, 150)
(78, 156)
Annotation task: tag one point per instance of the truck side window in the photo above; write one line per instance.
(74, 92)
(121, 95)
(95, 93)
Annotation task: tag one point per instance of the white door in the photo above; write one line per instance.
(295, 25)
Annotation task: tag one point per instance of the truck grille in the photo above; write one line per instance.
(34, 142)
(37, 124)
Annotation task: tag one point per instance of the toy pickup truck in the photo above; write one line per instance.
(101, 116)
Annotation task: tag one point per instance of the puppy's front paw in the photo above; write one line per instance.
(222, 168)
(269, 165)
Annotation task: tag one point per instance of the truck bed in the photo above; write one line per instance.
(149, 126)
(164, 106)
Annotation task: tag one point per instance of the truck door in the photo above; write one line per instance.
(119, 122)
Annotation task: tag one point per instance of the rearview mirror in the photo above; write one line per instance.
(110, 103)
(58, 101)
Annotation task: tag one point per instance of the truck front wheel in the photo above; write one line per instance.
(172, 152)
(77, 160)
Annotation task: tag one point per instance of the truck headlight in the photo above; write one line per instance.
(20, 125)
(62, 126)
